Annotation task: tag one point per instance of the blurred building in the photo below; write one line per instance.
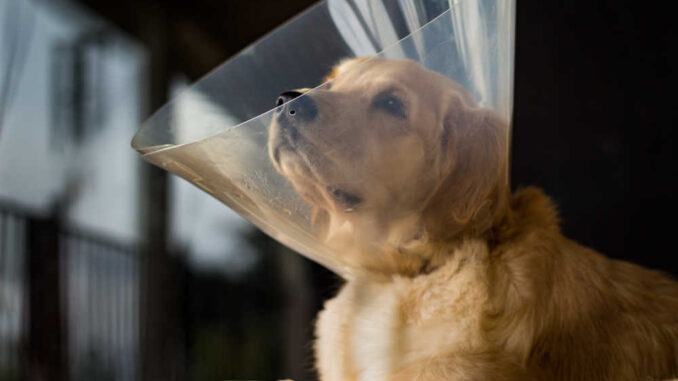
(72, 91)
(109, 269)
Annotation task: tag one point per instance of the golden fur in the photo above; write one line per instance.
(461, 280)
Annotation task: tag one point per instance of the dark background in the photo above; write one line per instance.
(593, 126)
(594, 122)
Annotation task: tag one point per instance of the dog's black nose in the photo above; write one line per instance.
(286, 97)
(303, 109)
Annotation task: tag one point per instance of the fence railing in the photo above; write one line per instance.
(12, 294)
(97, 293)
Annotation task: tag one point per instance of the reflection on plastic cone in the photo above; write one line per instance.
(350, 172)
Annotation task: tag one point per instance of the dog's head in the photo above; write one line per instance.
(392, 154)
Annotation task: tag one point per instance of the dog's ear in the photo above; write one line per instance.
(343, 66)
(473, 189)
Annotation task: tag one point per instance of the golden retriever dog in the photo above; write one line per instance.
(460, 279)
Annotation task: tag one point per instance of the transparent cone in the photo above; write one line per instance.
(346, 167)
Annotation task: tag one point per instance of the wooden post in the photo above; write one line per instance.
(46, 343)
(297, 315)
(161, 336)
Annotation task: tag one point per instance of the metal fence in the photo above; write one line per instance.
(102, 295)
(12, 294)
(98, 292)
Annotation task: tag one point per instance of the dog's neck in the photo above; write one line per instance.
(411, 252)
(529, 210)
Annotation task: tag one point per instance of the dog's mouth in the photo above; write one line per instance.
(347, 200)
(276, 153)
(285, 143)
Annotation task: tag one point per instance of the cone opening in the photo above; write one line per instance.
(313, 164)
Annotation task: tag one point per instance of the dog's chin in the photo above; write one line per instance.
(309, 180)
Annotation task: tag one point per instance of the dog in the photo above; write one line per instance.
(459, 278)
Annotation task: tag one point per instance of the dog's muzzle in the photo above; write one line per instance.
(295, 108)
(293, 111)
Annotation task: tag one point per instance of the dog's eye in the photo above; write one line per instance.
(390, 104)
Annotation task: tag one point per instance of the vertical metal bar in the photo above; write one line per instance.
(116, 285)
(112, 290)
(117, 282)
(88, 261)
(119, 316)
(104, 302)
(7, 278)
(20, 355)
(5, 361)
(128, 319)
(12, 257)
(63, 290)
(108, 307)
(6, 355)
(70, 298)
(134, 314)
(98, 337)
(83, 319)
